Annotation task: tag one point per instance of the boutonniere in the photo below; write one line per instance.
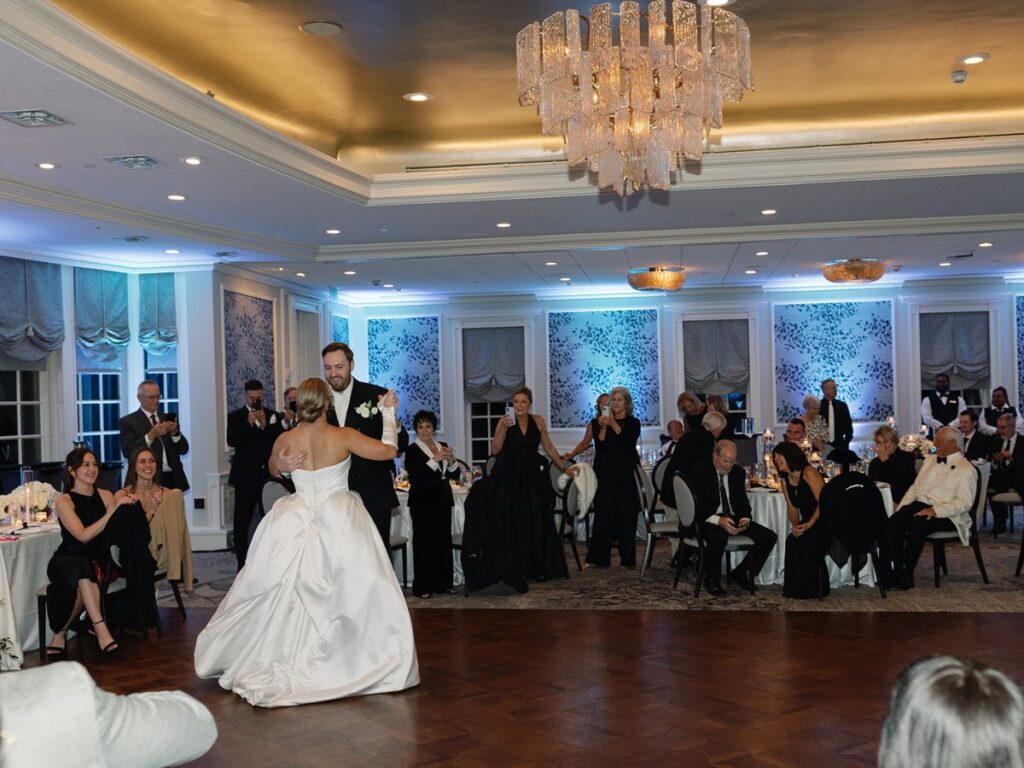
(367, 409)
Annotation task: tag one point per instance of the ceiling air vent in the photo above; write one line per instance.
(226, 254)
(34, 118)
(133, 238)
(134, 162)
(964, 256)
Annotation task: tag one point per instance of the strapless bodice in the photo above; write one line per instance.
(316, 485)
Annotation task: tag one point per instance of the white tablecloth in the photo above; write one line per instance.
(24, 565)
(769, 509)
(401, 524)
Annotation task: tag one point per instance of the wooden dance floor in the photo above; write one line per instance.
(590, 688)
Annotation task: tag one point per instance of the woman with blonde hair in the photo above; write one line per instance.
(691, 409)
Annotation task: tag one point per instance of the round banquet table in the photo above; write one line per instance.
(24, 567)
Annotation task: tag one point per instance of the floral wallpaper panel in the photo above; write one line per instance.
(591, 352)
(248, 345)
(848, 341)
(1020, 353)
(339, 328)
(405, 355)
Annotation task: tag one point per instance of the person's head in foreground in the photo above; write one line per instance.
(953, 713)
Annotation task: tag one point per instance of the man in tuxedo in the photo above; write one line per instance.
(354, 404)
(694, 447)
(976, 444)
(157, 430)
(252, 430)
(939, 500)
(723, 510)
(796, 432)
(1007, 457)
(990, 416)
(289, 418)
(836, 414)
(675, 434)
(941, 408)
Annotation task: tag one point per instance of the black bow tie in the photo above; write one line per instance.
(940, 460)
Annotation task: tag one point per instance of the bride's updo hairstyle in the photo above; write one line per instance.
(313, 397)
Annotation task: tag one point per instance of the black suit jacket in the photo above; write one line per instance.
(133, 429)
(374, 481)
(995, 445)
(980, 446)
(703, 482)
(694, 447)
(844, 422)
(252, 445)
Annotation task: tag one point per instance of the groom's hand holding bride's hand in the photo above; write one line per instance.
(288, 461)
(387, 400)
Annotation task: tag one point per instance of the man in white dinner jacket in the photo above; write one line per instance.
(939, 500)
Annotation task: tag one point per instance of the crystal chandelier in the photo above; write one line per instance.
(854, 271)
(656, 278)
(631, 111)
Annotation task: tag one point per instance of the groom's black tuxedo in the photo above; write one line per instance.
(373, 480)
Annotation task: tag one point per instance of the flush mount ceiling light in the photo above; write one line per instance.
(417, 96)
(134, 162)
(34, 118)
(321, 28)
(656, 278)
(854, 271)
(975, 58)
(632, 112)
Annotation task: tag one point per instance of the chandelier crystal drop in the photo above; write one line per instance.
(854, 271)
(656, 278)
(635, 108)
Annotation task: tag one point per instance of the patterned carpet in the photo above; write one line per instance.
(618, 589)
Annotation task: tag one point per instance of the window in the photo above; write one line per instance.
(21, 439)
(483, 419)
(99, 404)
(163, 369)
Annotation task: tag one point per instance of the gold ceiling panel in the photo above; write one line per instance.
(840, 72)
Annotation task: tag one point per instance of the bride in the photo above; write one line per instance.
(317, 612)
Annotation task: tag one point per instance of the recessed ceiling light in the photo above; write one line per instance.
(503, 225)
(280, 269)
(333, 231)
(46, 166)
(349, 272)
(768, 212)
(986, 244)
(976, 58)
(945, 264)
(565, 279)
(750, 271)
(761, 253)
(300, 274)
(388, 285)
(795, 274)
(193, 160)
(176, 198)
(417, 96)
(550, 263)
(171, 251)
(716, 3)
(321, 28)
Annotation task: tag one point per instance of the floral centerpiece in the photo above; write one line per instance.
(33, 500)
(919, 445)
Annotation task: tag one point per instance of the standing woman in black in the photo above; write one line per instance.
(592, 427)
(430, 465)
(83, 512)
(617, 501)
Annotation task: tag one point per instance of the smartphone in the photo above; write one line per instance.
(293, 406)
(606, 411)
(258, 405)
(510, 414)
(171, 417)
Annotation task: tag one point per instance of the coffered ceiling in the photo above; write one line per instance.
(855, 135)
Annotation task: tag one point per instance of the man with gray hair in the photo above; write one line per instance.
(939, 500)
(694, 447)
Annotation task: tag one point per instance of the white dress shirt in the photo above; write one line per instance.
(948, 488)
(341, 402)
(931, 421)
(723, 482)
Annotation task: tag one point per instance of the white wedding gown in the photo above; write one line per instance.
(317, 612)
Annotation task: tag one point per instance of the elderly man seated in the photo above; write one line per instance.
(939, 500)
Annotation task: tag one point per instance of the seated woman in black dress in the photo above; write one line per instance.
(810, 538)
(84, 512)
(430, 465)
(892, 465)
(617, 501)
(592, 427)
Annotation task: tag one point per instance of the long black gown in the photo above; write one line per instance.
(805, 554)
(617, 501)
(510, 533)
(430, 506)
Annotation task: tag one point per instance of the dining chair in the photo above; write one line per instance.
(274, 488)
(1009, 499)
(489, 465)
(939, 539)
(399, 543)
(654, 529)
(658, 475)
(569, 497)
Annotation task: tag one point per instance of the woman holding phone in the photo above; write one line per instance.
(601, 407)
(430, 465)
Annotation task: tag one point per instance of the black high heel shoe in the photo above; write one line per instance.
(55, 652)
(111, 647)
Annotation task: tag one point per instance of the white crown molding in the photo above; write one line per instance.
(67, 258)
(307, 292)
(532, 243)
(718, 170)
(61, 201)
(48, 34)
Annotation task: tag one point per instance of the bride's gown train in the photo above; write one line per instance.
(317, 612)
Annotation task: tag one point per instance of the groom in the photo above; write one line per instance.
(354, 405)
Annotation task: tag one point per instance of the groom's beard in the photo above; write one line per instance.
(337, 383)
